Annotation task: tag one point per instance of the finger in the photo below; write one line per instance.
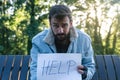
(81, 71)
(80, 67)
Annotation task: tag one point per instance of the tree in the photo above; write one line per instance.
(20, 20)
(92, 18)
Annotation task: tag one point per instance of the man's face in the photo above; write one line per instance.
(61, 27)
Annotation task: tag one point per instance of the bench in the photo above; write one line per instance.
(17, 67)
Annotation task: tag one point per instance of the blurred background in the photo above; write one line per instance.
(20, 20)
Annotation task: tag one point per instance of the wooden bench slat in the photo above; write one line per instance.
(29, 75)
(8, 67)
(95, 77)
(16, 67)
(101, 68)
(2, 62)
(116, 60)
(24, 68)
(110, 67)
(29, 68)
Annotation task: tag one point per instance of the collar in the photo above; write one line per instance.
(49, 38)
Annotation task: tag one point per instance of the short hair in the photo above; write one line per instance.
(59, 12)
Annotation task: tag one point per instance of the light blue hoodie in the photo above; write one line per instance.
(80, 43)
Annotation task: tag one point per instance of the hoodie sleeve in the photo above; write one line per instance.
(33, 65)
(88, 60)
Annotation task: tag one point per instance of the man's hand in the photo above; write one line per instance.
(82, 70)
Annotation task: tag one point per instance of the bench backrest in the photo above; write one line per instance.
(17, 67)
(107, 67)
(14, 67)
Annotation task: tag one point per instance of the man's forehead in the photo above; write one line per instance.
(64, 19)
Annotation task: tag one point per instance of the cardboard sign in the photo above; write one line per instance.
(58, 66)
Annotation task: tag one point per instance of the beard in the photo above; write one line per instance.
(62, 37)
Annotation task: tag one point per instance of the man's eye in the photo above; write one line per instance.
(56, 26)
(65, 25)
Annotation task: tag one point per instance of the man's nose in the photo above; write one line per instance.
(60, 30)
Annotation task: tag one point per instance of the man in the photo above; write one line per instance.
(62, 37)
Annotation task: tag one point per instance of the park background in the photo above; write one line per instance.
(20, 20)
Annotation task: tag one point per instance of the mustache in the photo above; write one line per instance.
(60, 34)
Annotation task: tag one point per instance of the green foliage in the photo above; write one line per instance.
(27, 18)
(1, 48)
(70, 2)
(91, 21)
